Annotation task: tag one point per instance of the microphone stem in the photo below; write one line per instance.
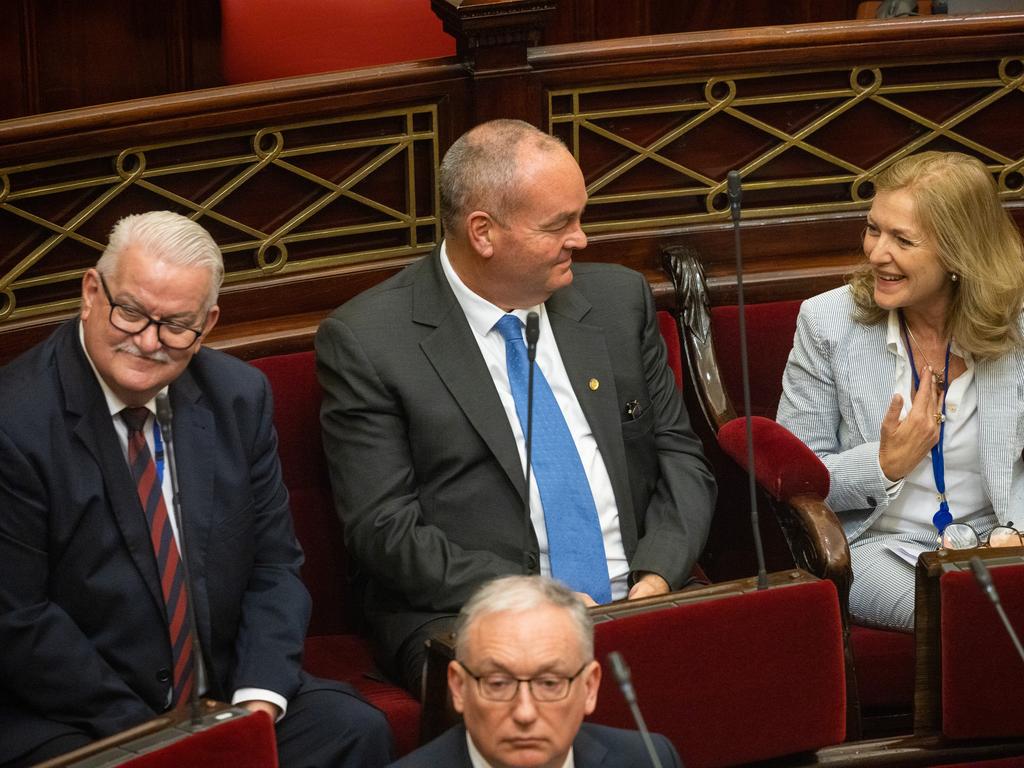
(528, 522)
(645, 734)
(762, 571)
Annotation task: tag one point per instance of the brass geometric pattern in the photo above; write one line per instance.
(656, 153)
(277, 198)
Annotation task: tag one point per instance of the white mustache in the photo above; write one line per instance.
(132, 349)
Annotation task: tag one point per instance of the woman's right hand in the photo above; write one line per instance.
(903, 444)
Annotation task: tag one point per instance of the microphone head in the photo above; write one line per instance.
(532, 327)
(735, 192)
(619, 667)
(981, 573)
(163, 411)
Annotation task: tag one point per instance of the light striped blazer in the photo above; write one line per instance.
(837, 386)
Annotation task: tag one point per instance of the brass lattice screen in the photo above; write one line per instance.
(278, 198)
(657, 153)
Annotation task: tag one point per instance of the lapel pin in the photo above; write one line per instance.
(594, 384)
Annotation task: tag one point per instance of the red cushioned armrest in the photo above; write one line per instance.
(783, 465)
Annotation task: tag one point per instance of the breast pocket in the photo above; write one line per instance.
(640, 426)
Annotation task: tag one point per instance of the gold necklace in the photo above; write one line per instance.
(938, 378)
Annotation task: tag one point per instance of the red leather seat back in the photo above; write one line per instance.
(297, 419)
(726, 680)
(770, 329)
(264, 39)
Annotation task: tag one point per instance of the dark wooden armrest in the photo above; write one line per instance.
(817, 541)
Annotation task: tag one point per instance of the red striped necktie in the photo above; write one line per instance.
(172, 574)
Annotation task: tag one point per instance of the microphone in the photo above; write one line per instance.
(532, 334)
(735, 200)
(621, 672)
(984, 579)
(165, 419)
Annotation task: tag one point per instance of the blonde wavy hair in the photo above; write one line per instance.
(958, 208)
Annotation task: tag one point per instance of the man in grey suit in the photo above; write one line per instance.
(425, 435)
(524, 677)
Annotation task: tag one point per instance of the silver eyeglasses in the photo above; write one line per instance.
(963, 536)
(497, 686)
(128, 319)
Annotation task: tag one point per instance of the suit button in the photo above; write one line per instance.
(531, 563)
(163, 674)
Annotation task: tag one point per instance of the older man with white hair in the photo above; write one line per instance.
(523, 678)
(94, 618)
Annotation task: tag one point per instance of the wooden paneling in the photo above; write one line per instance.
(318, 187)
(61, 54)
(585, 20)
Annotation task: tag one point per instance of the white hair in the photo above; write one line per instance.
(519, 594)
(168, 236)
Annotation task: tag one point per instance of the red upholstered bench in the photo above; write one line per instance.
(882, 688)
(334, 648)
(732, 679)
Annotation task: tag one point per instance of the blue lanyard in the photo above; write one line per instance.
(158, 451)
(942, 517)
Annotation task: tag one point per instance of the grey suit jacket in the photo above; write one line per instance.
(424, 465)
(837, 387)
(595, 746)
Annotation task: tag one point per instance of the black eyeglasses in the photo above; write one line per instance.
(128, 319)
(964, 536)
(498, 686)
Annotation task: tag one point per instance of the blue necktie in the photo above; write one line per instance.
(575, 543)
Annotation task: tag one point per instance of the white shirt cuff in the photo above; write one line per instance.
(261, 694)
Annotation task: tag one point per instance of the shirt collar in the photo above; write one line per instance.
(481, 314)
(477, 760)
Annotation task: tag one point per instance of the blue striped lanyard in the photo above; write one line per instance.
(942, 517)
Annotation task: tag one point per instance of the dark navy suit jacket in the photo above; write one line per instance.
(595, 746)
(83, 630)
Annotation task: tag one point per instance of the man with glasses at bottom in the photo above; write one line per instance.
(93, 617)
(523, 678)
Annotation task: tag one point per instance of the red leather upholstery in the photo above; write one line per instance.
(247, 741)
(783, 465)
(727, 680)
(884, 660)
(264, 39)
(981, 671)
(669, 328)
(334, 648)
(770, 329)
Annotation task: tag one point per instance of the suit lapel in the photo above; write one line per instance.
(588, 752)
(91, 424)
(871, 386)
(588, 364)
(453, 352)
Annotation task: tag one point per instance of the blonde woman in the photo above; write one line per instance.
(907, 382)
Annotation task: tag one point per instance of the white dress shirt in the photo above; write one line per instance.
(482, 316)
(914, 501)
(478, 761)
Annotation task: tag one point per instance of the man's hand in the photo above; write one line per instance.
(586, 599)
(256, 705)
(648, 585)
(903, 444)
